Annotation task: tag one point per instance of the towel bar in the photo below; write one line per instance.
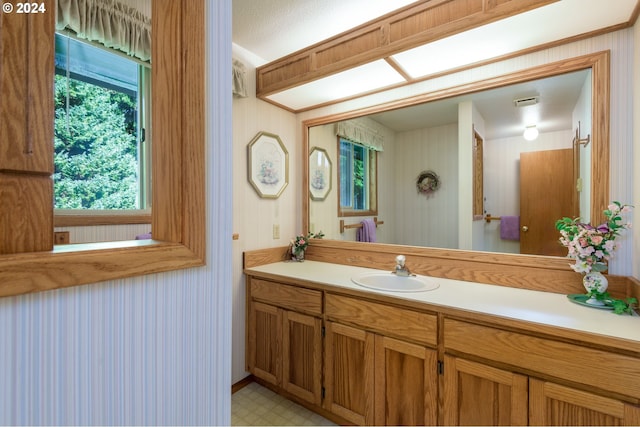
(343, 226)
(490, 218)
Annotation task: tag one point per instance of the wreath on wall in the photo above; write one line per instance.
(427, 183)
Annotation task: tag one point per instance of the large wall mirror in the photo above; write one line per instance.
(569, 104)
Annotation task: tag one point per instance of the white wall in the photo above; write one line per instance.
(254, 217)
(421, 220)
(152, 350)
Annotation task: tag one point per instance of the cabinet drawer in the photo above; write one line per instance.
(602, 369)
(393, 321)
(292, 297)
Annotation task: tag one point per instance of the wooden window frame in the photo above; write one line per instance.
(373, 186)
(178, 214)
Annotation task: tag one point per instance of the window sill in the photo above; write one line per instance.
(84, 218)
(79, 264)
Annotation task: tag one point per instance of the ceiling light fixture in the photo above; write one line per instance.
(530, 132)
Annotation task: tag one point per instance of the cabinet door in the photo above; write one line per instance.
(553, 404)
(406, 381)
(477, 394)
(301, 356)
(26, 85)
(349, 373)
(265, 342)
(26, 213)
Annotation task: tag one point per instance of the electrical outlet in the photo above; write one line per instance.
(276, 231)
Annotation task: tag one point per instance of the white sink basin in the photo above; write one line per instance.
(392, 283)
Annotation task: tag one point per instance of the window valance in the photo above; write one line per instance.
(239, 79)
(360, 133)
(108, 22)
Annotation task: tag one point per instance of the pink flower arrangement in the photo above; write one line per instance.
(591, 247)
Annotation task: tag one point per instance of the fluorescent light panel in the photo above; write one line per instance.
(532, 28)
(367, 77)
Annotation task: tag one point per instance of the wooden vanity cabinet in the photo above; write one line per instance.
(387, 363)
(284, 339)
(379, 367)
(589, 386)
(558, 405)
(479, 394)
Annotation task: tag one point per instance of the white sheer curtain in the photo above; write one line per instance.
(109, 22)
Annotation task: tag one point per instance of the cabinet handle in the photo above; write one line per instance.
(525, 228)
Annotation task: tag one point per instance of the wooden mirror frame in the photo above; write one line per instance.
(598, 62)
(178, 213)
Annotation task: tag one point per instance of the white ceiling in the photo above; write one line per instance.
(271, 29)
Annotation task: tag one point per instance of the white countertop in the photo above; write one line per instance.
(545, 308)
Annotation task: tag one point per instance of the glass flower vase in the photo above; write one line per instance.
(299, 255)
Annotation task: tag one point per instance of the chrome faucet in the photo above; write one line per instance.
(401, 269)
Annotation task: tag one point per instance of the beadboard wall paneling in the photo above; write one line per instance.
(105, 233)
(152, 350)
(636, 154)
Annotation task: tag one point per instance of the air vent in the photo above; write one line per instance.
(525, 102)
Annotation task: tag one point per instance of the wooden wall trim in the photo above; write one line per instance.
(540, 273)
(397, 31)
(179, 203)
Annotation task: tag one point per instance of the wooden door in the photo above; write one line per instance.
(406, 383)
(547, 193)
(349, 373)
(551, 404)
(265, 342)
(302, 356)
(477, 394)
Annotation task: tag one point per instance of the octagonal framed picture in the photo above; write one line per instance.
(319, 174)
(268, 165)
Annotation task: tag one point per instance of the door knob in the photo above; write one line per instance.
(525, 228)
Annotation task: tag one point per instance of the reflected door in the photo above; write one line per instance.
(547, 193)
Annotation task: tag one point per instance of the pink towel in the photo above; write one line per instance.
(366, 233)
(510, 227)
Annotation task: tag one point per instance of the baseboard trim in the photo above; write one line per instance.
(242, 383)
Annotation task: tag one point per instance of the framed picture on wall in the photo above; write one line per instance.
(268, 165)
(319, 174)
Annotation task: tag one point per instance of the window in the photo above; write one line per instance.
(100, 153)
(358, 179)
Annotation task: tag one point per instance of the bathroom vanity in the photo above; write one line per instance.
(462, 353)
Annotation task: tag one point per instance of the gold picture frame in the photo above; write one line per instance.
(268, 165)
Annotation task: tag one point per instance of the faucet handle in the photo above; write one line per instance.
(400, 259)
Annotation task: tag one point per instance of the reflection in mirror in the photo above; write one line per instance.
(440, 136)
(102, 145)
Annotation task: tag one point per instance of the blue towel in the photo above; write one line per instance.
(510, 227)
(366, 233)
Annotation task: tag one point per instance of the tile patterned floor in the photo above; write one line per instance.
(254, 405)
